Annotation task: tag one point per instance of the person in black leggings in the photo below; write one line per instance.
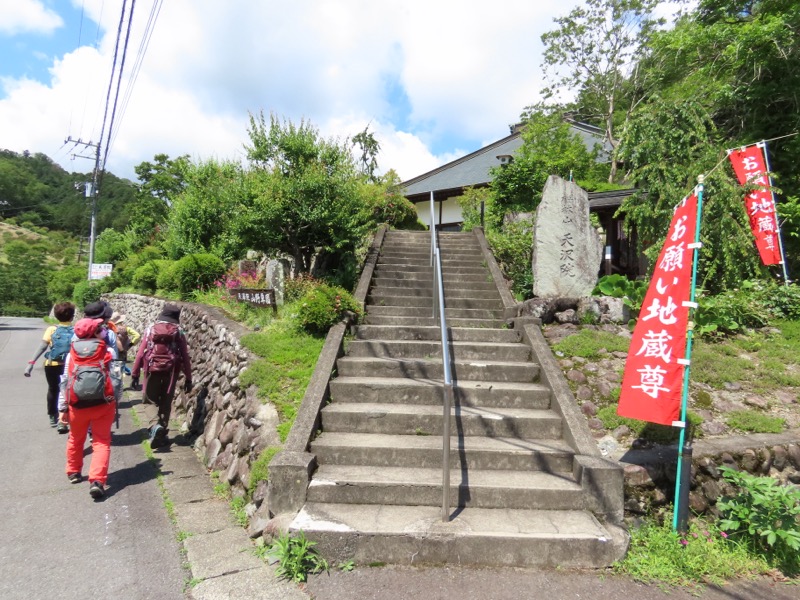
(53, 365)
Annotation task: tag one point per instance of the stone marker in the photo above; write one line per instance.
(566, 248)
(275, 278)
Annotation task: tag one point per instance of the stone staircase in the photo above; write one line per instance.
(520, 493)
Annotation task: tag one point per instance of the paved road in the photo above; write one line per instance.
(55, 541)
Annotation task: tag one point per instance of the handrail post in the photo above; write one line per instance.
(448, 401)
(433, 230)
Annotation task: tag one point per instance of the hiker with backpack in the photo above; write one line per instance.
(87, 400)
(126, 338)
(55, 347)
(162, 355)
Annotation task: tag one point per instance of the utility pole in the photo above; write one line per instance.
(90, 190)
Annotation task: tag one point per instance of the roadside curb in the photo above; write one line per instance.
(218, 551)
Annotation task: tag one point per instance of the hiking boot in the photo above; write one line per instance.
(62, 428)
(158, 436)
(53, 420)
(96, 490)
(74, 477)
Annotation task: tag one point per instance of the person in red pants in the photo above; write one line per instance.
(89, 355)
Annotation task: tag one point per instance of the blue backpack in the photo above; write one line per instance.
(60, 343)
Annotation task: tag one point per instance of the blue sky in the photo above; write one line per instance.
(434, 80)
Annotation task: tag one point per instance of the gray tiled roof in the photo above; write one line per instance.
(473, 169)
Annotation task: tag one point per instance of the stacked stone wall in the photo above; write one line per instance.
(230, 425)
(650, 484)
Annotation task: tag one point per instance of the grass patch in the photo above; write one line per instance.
(589, 343)
(259, 471)
(705, 555)
(755, 422)
(288, 359)
(642, 429)
(763, 361)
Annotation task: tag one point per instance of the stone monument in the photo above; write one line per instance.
(567, 250)
(275, 276)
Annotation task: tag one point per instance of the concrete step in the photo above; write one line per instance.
(450, 301)
(463, 370)
(475, 537)
(414, 311)
(427, 391)
(498, 351)
(396, 273)
(452, 283)
(418, 419)
(403, 321)
(447, 261)
(387, 269)
(474, 452)
(457, 334)
(423, 487)
(424, 253)
(424, 291)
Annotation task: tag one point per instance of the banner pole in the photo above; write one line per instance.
(777, 220)
(684, 448)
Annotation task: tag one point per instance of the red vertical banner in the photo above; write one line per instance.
(653, 381)
(750, 167)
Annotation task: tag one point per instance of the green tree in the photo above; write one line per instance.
(549, 147)
(727, 74)
(161, 181)
(25, 278)
(202, 217)
(305, 198)
(592, 51)
(369, 146)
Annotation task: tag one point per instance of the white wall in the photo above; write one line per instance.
(451, 212)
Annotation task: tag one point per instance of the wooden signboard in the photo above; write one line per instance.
(257, 297)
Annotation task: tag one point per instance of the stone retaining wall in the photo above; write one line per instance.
(232, 425)
(650, 475)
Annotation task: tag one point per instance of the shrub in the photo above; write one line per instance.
(296, 288)
(766, 515)
(86, 292)
(631, 291)
(145, 277)
(323, 307)
(513, 249)
(167, 279)
(197, 271)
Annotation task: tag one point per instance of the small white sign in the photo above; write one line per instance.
(101, 270)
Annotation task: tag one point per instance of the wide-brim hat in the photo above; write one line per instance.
(117, 318)
(171, 313)
(98, 310)
(86, 328)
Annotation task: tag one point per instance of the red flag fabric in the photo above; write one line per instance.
(653, 380)
(750, 166)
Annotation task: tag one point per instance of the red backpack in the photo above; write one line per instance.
(88, 383)
(162, 348)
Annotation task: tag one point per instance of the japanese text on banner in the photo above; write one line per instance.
(652, 383)
(750, 167)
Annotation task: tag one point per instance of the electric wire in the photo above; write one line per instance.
(109, 135)
(155, 10)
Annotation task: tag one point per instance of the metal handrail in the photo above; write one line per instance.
(447, 383)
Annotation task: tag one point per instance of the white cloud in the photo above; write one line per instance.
(434, 79)
(26, 16)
